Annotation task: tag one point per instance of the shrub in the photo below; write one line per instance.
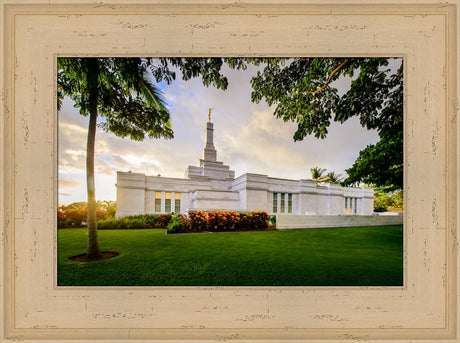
(66, 223)
(233, 220)
(223, 221)
(143, 221)
(77, 216)
(198, 220)
(380, 208)
(217, 221)
(162, 220)
(178, 223)
(61, 215)
(108, 224)
(101, 214)
(134, 223)
(259, 219)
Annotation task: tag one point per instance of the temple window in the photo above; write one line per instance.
(177, 203)
(168, 202)
(157, 202)
(282, 202)
(275, 202)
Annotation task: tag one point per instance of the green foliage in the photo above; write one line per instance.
(317, 174)
(333, 177)
(77, 217)
(383, 200)
(397, 199)
(303, 91)
(178, 223)
(217, 221)
(380, 164)
(109, 206)
(80, 205)
(191, 67)
(143, 221)
(130, 104)
(198, 220)
(380, 208)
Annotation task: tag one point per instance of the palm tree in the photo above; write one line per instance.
(110, 206)
(317, 174)
(333, 177)
(117, 90)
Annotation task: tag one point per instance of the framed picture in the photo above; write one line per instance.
(36, 34)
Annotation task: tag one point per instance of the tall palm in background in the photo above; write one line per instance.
(333, 177)
(317, 174)
(119, 92)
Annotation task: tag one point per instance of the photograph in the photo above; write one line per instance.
(230, 171)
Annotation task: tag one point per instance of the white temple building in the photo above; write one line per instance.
(211, 185)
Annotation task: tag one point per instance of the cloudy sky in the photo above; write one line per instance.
(247, 137)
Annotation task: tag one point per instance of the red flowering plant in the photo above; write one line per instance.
(215, 221)
(77, 216)
(162, 220)
(235, 220)
(185, 222)
(198, 220)
(61, 215)
(101, 214)
(259, 219)
(178, 223)
(219, 221)
(245, 220)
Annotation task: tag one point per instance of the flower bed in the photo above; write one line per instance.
(196, 221)
(77, 217)
(218, 221)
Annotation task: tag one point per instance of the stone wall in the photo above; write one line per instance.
(294, 221)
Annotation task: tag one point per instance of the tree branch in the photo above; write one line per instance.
(395, 82)
(329, 79)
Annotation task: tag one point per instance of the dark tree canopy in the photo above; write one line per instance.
(303, 91)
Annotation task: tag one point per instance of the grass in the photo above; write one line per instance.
(364, 256)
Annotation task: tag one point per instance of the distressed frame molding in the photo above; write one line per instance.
(35, 33)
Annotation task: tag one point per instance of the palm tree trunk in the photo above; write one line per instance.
(93, 244)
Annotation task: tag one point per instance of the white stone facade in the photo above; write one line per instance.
(212, 186)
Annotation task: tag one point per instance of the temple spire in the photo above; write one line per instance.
(209, 151)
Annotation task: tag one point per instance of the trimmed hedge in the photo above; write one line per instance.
(144, 221)
(77, 217)
(218, 221)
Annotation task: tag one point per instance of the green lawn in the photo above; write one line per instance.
(365, 256)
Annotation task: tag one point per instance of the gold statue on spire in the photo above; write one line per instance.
(209, 113)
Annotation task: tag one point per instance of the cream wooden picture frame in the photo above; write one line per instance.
(36, 32)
